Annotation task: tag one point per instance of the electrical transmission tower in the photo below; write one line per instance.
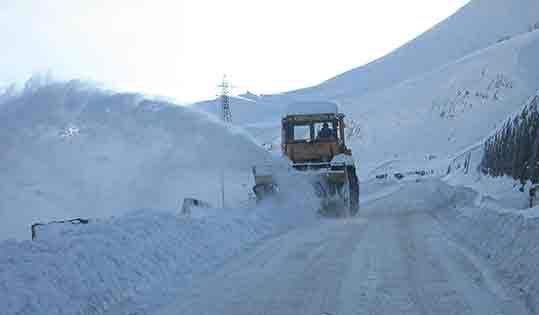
(226, 114)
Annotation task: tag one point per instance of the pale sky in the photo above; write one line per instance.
(182, 48)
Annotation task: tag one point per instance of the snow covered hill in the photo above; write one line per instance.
(72, 150)
(479, 24)
(438, 94)
(451, 108)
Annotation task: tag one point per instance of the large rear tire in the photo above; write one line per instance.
(353, 191)
(264, 191)
(339, 199)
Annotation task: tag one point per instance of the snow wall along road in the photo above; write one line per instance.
(72, 150)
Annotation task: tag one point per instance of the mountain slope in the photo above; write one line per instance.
(477, 25)
(439, 93)
(450, 108)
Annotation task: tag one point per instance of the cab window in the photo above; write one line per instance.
(302, 133)
(326, 131)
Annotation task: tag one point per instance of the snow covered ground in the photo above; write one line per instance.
(508, 241)
(461, 244)
(417, 247)
(499, 225)
(130, 263)
(408, 253)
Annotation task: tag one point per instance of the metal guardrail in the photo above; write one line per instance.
(71, 221)
(190, 203)
(465, 159)
(401, 175)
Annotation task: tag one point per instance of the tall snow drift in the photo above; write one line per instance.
(130, 262)
(72, 150)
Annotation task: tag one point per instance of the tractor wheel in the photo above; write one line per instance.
(352, 202)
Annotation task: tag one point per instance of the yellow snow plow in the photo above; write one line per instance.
(313, 139)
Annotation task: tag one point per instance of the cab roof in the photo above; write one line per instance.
(311, 108)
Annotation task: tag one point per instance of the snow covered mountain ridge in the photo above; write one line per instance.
(478, 25)
(435, 96)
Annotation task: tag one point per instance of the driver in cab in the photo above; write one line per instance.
(325, 133)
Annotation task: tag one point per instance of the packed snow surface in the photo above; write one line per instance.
(399, 256)
(430, 247)
(116, 264)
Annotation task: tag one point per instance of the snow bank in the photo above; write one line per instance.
(506, 237)
(132, 263)
(509, 240)
(90, 269)
(74, 150)
(497, 225)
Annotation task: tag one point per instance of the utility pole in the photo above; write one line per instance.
(226, 114)
(226, 117)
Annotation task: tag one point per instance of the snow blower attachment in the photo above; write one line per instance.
(264, 182)
(313, 139)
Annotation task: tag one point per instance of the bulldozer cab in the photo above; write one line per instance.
(313, 138)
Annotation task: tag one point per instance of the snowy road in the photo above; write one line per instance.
(400, 261)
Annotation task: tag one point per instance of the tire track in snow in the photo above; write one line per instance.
(408, 250)
(393, 260)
